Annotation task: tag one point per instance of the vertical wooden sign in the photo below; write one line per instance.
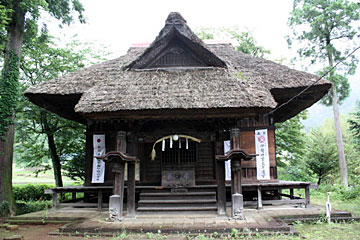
(98, 172)
(262, 160)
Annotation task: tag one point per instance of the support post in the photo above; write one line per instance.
(119, 168)
(259, 200)
(89, 157)
(131, 190)
(237, 197)
(73, 196)
(116, 206)
(220, 179)
(131, 174)
(291, 193)
(100, 196)
(55, 200)
(307, 196)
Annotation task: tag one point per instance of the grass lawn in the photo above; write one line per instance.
(28, 176)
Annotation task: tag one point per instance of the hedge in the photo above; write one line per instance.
(31, 192)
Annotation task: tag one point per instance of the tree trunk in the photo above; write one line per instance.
(55, 160)
(6, 148)
(339, 140)
(15, 33)
(52, 148)
(319, 181)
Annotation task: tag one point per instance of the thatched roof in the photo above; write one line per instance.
(231, 81)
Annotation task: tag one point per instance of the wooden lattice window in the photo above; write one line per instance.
(180, 155)
(176, 57)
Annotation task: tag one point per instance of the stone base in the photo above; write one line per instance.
(237, 206)
(115, 209)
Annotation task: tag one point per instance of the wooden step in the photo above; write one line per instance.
(178, 203)
(177, 208)
(178, 194)
(175, 201)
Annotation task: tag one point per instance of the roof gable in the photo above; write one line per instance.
(176, 46)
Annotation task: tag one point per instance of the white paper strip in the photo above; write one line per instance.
(187, 143)
(262, 160)
(163, 145)
(228, 162)
(98, 172)
(171, 142)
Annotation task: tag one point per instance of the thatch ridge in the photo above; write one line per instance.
(176, 27)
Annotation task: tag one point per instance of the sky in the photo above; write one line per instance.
(118, 24)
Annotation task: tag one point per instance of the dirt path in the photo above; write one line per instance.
(40, 232)
(36, 232)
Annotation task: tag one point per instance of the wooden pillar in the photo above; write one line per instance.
(259, 202)
(291, 193)
(73, 196)
(100, 196)
(220, 179)
(55, 200)
(119, 172)
(131, 190)
(236, 176)
(117, 199)
(131, 150)
(89, 156)
(235, 163)
(307, 196)
(237, 202)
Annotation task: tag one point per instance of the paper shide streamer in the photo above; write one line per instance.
(172, 138)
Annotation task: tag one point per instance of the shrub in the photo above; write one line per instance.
(32, 206)
(31, 192)
(350, 193)
(4, 209)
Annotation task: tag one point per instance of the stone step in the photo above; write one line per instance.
(333, 219)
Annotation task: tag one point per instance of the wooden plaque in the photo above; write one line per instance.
(178, 179)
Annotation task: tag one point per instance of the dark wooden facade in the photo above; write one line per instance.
(212, 134)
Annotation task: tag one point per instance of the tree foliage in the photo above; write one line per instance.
(244, 41)
(328, 31)
(290, 139)
(21, 24)
(354, 123)
(321, 154)
(43, 138)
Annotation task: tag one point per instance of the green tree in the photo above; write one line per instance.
(354, 123)
(327, 27)
(22, 25)
(245, 41)
(290, 139)
(42, 135)
(320, 157)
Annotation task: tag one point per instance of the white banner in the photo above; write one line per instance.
(227, 163)
(98, 164)
(262, 160)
